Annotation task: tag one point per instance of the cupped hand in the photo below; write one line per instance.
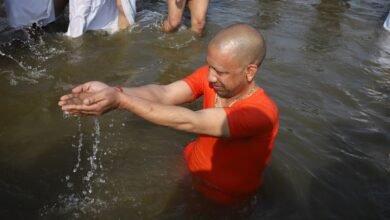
(93, 86)
(81, 91)
(90, 103)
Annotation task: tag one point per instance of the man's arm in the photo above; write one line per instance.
(175, 93)
(211, 121)
(153, 103)
(123, 23)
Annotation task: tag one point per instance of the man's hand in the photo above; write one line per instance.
(93, 86)
(92, 98)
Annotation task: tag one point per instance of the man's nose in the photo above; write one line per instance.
(211, 77)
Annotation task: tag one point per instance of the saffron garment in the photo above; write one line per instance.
(23, 13)
(229, 170)
(97, 15)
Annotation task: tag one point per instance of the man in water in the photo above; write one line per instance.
(23, 13)
(108, 15)
(198, 9)
(237, 125)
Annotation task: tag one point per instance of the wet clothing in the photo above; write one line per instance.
(23, 13)
(229, 169)
(83, 14)
(97, 15)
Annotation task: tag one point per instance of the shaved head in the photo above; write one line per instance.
(241, 41)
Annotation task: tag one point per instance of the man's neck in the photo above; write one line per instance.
(247, 92)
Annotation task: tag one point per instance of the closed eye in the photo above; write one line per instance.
(217, 71)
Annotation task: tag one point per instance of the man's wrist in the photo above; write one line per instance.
(118, 88)
(119, 96)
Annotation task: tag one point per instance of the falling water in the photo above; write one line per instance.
(93, 160)
(86, 177)
(79, 146)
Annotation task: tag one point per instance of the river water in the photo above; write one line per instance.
(327, 68)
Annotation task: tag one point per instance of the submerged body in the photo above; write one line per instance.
(87, 15)
(228, 169)
(23, 13)
(84, 15)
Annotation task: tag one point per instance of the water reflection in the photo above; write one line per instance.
(266, 19)
(325, 29)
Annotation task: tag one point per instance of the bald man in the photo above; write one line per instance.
(237, 125)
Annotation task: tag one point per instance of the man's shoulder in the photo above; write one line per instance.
(261, 102)
(202, 70)
(197, 81)
(260, 98)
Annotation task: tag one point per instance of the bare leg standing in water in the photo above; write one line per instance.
(198, 9)
(123, 23)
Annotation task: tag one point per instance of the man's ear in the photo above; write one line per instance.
(251, 71)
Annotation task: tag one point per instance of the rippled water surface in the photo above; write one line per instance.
(327, 68)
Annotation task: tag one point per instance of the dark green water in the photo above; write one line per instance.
(327, 68)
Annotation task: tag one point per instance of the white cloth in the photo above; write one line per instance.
(386, 25)
(97, 15)
(23, 13)
(129, 7)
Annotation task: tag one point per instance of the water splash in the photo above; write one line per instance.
(85, 179)
(93, 159)
(147, 19)
(29, 73)
(79, 146)
(182, 39)
(30, 55)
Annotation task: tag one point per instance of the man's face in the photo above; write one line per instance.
(226, 74)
